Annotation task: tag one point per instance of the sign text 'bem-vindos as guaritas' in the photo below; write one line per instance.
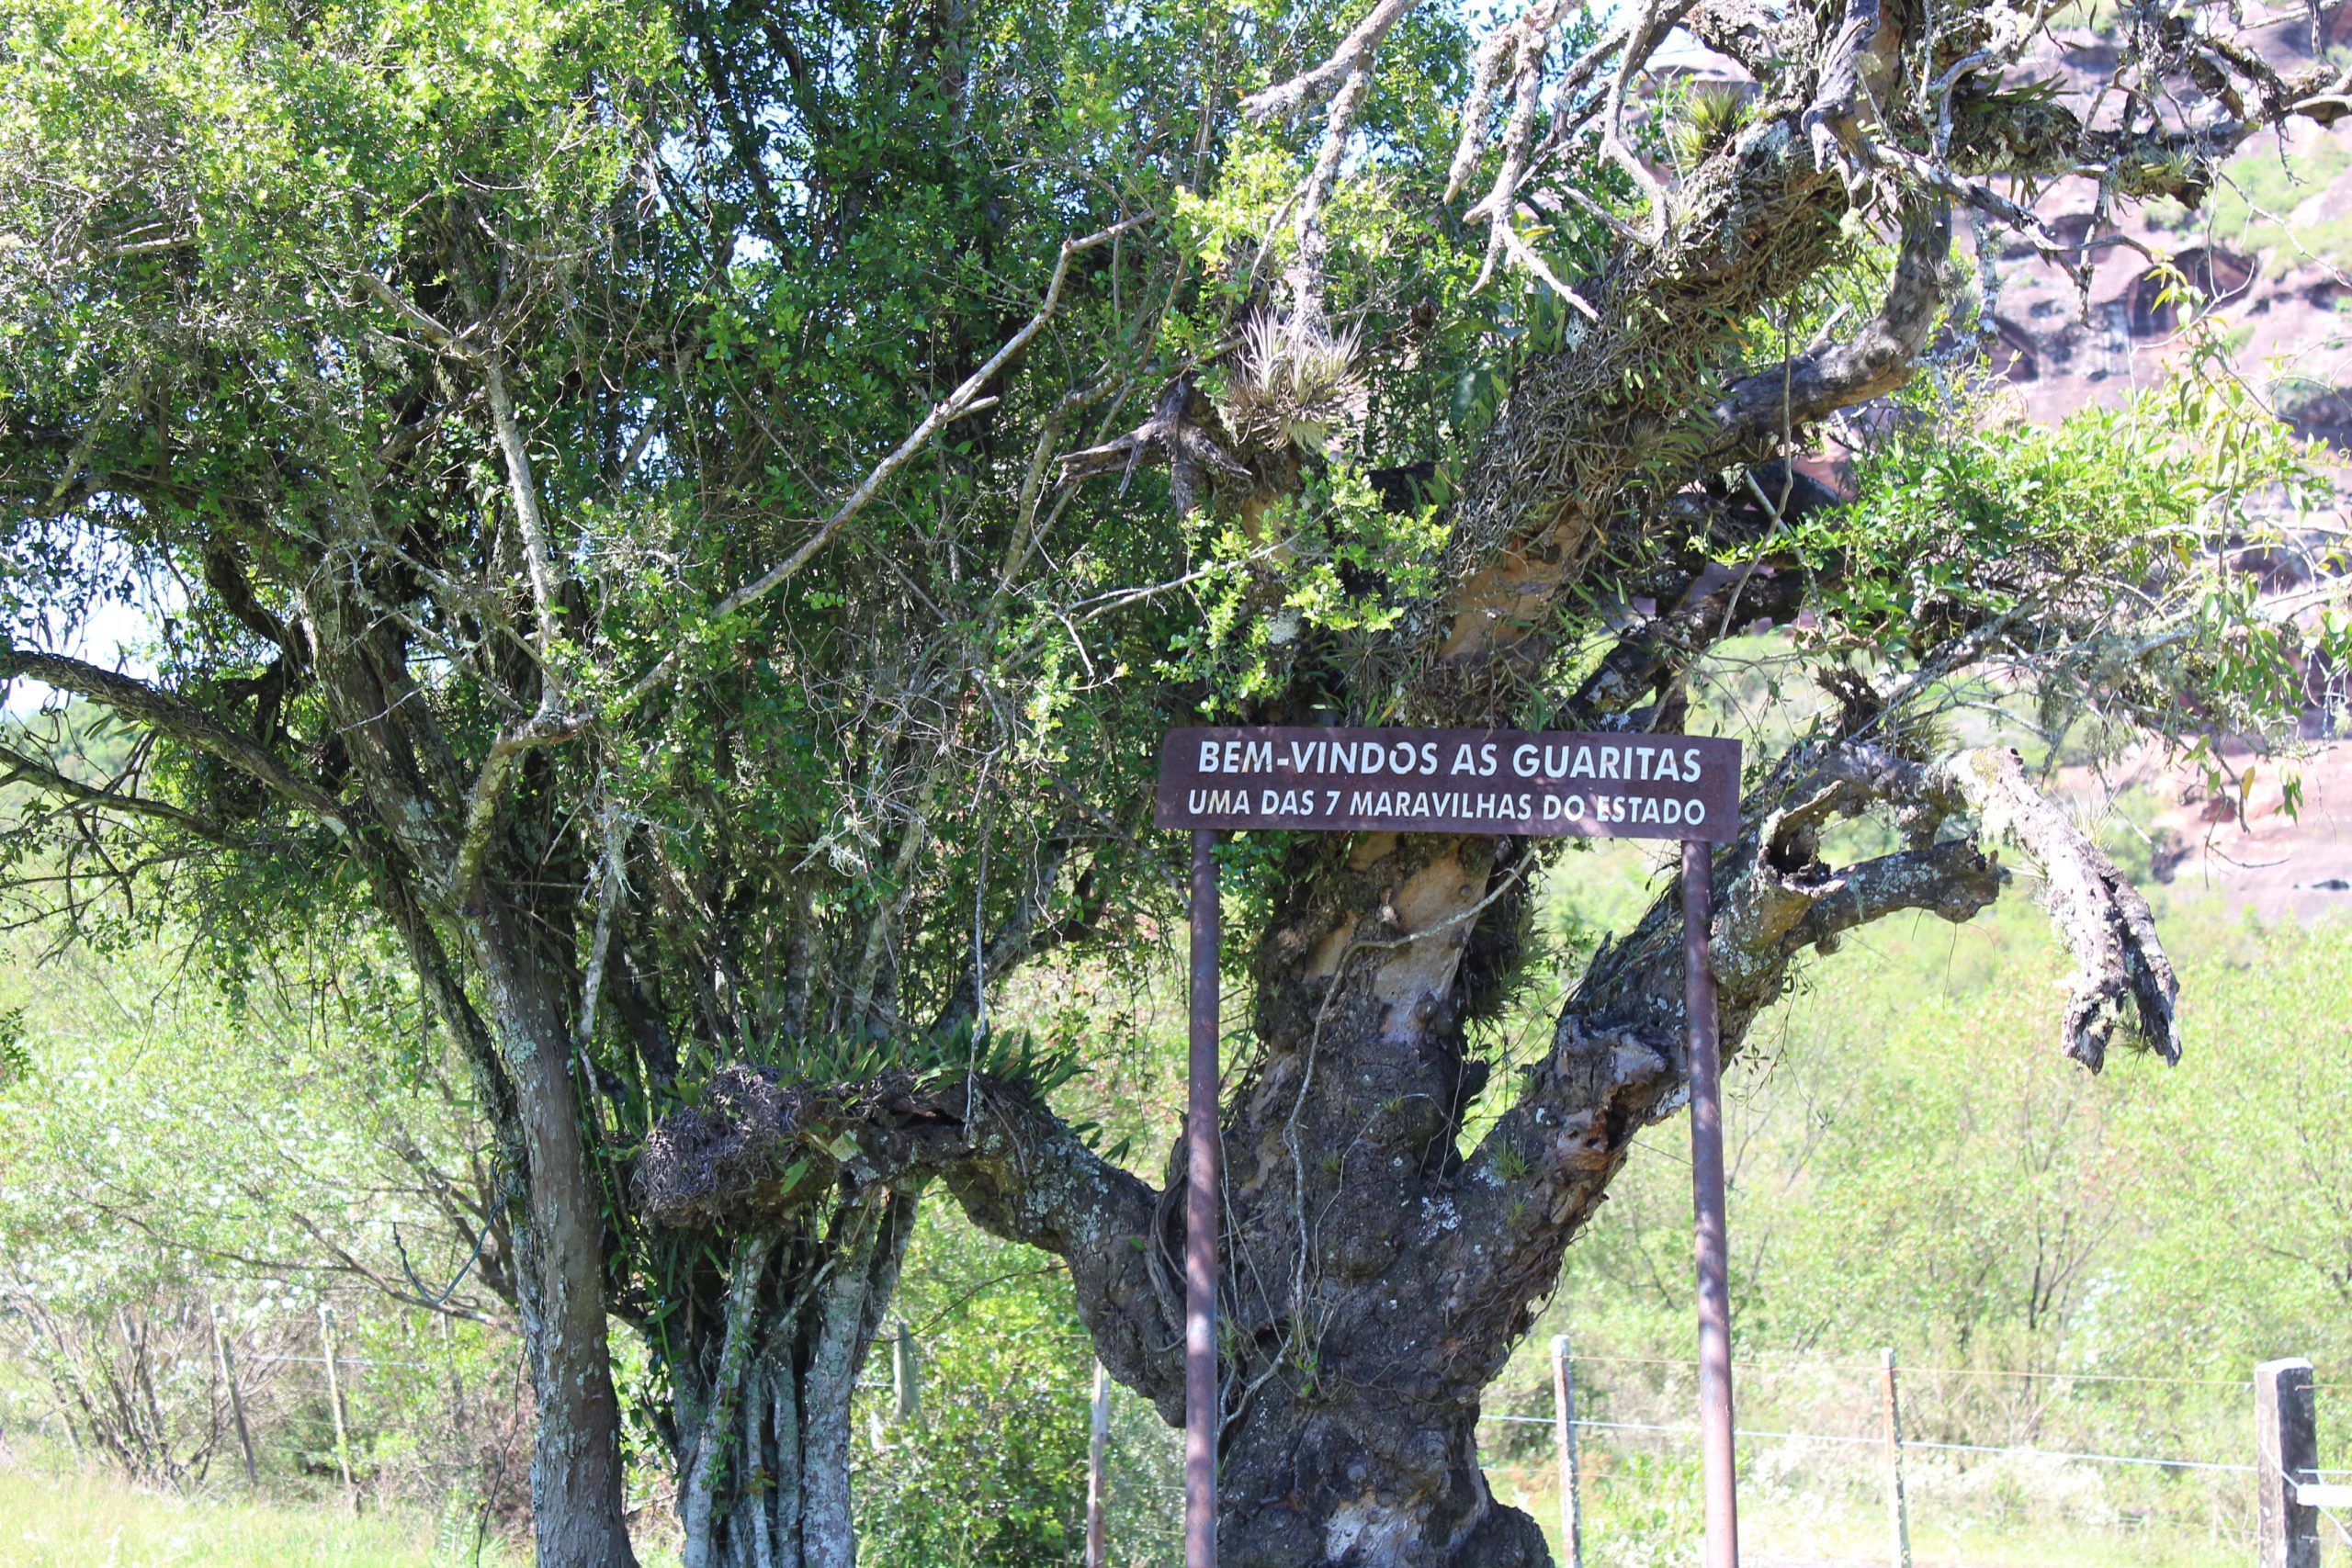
(1451, 781)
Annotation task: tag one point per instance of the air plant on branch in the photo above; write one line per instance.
(1295, 385)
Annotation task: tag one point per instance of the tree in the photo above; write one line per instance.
(574, 538)
(1388, 1232)
(629, 499)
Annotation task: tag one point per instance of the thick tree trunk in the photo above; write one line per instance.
(1366, 1477)
(765, 1432)
(576, 1480)
(1376, 1276)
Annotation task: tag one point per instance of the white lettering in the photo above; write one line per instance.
(1208, 756)
(1232, 757)
(1258, 757)
(1523, 761)
(1583, 766)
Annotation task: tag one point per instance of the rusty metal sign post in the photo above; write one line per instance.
(1494, 781)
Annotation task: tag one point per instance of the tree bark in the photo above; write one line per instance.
(576, 1480)
(768, 1375)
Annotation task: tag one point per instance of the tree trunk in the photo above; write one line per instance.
(1370, 1476)
(576, 1480)
(776, 1490)
(518, 1046)
(1352, 1380)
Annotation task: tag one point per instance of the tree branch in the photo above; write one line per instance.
(1354, 56)
(1617, 1062)
(22, 769)
(953, 407)
(754, 1151)
(174, 715)
(1876, 360)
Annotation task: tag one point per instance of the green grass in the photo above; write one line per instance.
(49, 1518)
(1644, 1514)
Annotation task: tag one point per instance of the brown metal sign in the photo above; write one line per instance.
(1491, 782)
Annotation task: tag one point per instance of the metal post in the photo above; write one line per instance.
(1563, 1430)
(1712, 1248)
(1898, 1512)
(2286, 1435)
(1098, 1527)
(1201, 1411)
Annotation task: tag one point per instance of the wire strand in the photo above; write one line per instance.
(1908, 1443)
(1909, 1371)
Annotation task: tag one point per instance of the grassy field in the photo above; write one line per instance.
(1635, 1519)
(1649, 1520)
(52, 1517)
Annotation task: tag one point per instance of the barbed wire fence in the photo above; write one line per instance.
(2236, 1461)
(1953, 1451)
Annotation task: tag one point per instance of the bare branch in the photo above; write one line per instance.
(22, 769)
(2121, 974)
(1352, 57)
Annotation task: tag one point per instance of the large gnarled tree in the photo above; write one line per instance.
(1630, 506)
(696, 517)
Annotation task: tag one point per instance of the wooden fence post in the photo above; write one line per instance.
(1564, 1432)
(906, 1374)
(236, 1400)
(1898, 1513)
(1098, 1525)
(334, 1407)
(2286, 1435)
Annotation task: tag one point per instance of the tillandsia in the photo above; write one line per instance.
(695, 519)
